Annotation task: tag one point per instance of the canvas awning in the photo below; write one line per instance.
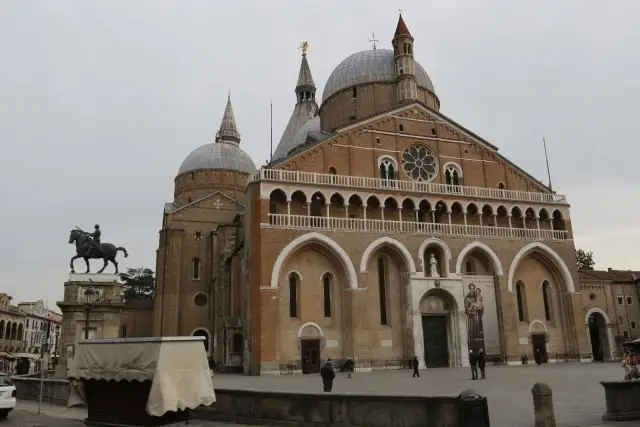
(176, 366)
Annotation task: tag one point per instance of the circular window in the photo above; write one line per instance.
(419, 163)
(200, 300)
(592, 296)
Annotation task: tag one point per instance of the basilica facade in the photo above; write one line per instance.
(380, 230)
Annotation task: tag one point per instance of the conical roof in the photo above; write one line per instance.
(401, 28)
(304, 76)
(228, 131)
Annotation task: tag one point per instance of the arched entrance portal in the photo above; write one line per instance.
(310, 336)
(437, 310)
(598, 335)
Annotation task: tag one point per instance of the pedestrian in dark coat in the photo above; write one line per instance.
(473, 362)
(328, 374)
(348, 367)
(537, 356)
(415, 364)
(482, 363)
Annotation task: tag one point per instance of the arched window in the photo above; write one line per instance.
(547, 300)
(293, 295)
(387, 169)
(8, 331)
(520, 300)
(332, 170)
(470, 267)
(195, 269)
(326, 291)
(382, 287)
(452, 174)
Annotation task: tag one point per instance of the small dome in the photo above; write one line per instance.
(218, 156)
(369, 66)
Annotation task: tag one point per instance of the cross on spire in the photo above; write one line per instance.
(400, 11)
(373, 40)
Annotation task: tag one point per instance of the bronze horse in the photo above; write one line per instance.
(107, 251)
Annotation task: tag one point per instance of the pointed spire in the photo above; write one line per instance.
(401, 29)
(305, 88)
(228, 131)
(304, 76)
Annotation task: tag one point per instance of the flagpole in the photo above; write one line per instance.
(544, 142)
(271, 132)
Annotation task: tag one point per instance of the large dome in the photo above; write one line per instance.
(369, 66)
(218, 156)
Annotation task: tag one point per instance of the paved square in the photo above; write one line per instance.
(577, 394)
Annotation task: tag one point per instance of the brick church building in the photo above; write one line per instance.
(381, 229)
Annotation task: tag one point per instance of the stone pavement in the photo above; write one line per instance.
(577, 394)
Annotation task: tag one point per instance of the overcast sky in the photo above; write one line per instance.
(101, 101)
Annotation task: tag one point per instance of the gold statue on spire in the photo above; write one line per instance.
(305, 47)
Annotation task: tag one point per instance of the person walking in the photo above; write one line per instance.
(537, 357)
(348, 366)
(482, 363)
(328, 374)
(415, 364)
(473, 362)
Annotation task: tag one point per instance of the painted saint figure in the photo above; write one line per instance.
(474, 307)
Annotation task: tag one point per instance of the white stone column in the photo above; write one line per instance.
(400, 214)
(464, 213)
(328, 207)
(288, 207)
(308, 208)
(480, 218)
(417, 210)
(418, 338)
(449, 215)
(382, 213)
(346, 210)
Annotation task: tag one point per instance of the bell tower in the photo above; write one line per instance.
(405, 65)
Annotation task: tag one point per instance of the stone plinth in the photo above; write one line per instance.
(104, 312)
(622, 399)
(543, 413)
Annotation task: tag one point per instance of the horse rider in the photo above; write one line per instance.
(94, 240)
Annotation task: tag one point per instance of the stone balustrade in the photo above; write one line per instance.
(305, 222)
(321, 179)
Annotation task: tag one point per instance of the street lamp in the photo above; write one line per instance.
(90, 296)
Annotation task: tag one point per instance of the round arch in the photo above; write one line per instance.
(406, 255)
(495, 261)
(537, 246)
(325, 241)
(540, 323)
(439, 243)
(593, 310)
(313, 325)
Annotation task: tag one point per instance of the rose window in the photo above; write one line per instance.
(419, 163)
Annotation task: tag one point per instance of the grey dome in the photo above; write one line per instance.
(369, 66)
(218, 156)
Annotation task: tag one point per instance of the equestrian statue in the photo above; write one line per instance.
(88, 246)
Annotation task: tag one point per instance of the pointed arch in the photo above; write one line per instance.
(325, 241)
(551, 254)
(406, 255)
(495, 261)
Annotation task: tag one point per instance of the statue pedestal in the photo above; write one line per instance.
(103, 309)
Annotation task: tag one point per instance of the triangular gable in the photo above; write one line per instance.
(466, 135)
(209, 196)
